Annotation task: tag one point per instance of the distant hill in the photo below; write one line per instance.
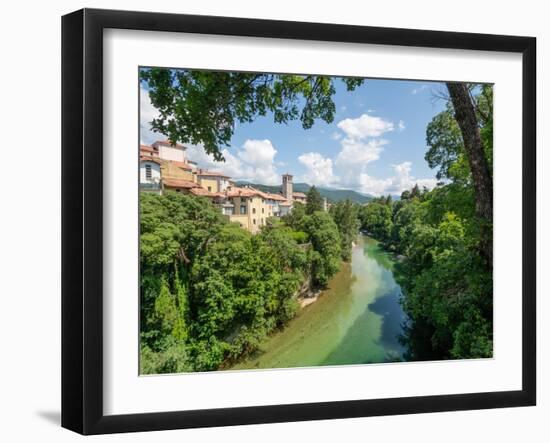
(333, 195)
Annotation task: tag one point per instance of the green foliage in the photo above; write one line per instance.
(376, 219)
(447, 289)
(295, 219)
(345, 215)
(202, 107)
(445, 146)
(446, 283)
(210, 290)
(444, 139)
(314, 201)
(326, 250)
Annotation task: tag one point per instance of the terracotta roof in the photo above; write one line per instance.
(202, 192)
(148, 158)
(277, 197)
(167, 143)
(147, 148)
(245, 192)
(181, 165)
(299, 195)
(285, 203)
(240, 192)
(206, 173)
(179, 183)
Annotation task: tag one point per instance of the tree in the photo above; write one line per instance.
(376, 219)
(295, 218)
(445, 147)
(326, 250)
(314, 201)
(203, 107)
(210, 290)
(465, 114)
(344, 214)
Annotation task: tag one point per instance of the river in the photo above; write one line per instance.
(356, 320)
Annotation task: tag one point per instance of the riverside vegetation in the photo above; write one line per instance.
(445, 244)
(211, 292)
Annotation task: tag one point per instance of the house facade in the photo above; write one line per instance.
(166, 167)
(150, 174)
(168, 151)
(213, 181)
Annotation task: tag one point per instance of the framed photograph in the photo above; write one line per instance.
(269, 221)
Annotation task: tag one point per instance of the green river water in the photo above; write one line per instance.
(356, 320)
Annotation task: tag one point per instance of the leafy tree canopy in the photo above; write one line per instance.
(314, 201)
(202, 107)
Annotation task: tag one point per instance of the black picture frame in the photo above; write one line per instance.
(82, 218)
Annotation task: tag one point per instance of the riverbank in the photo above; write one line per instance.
(311, 295)
(355, 320)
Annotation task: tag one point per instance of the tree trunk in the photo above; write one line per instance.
(483, 183)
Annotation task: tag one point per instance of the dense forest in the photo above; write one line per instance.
(442, 239)
(211, 291)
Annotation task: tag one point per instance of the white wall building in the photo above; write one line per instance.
(168, 152)
(149, 174)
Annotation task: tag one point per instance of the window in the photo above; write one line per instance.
(209, 188)
(254, 220)
(253, 210)
(148, 173)
(262, 210)
(243, 209)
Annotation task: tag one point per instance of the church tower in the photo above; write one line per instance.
(287, 186)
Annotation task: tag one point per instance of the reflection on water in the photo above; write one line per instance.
(358, 319)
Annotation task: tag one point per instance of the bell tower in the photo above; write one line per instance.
(287, 186)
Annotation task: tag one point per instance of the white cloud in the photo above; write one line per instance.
(147, 113)
(255, 162)
(365, 126)
(360, 147)
(354, 157)
(257, 152)
(318, 169)
(258, 157)
(396, 184)
(401, 125)
(336, 135)
(358, 152)
(370, 110)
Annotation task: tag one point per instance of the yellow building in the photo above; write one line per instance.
(247, 206)
(213, 181)
(177, 170)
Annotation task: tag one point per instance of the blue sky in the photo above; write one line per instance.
(375, 145)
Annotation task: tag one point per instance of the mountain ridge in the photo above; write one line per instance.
(332, 195)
